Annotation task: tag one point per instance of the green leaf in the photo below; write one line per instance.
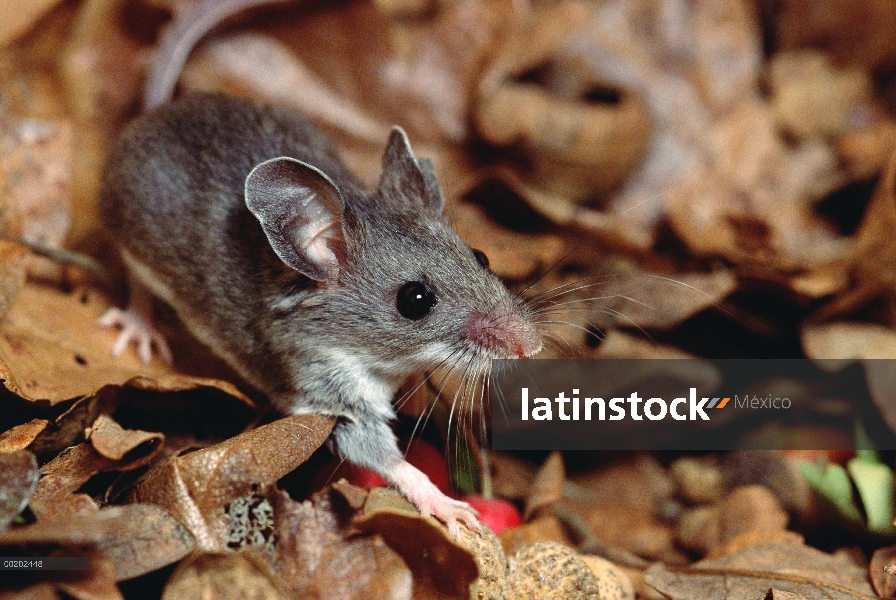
(832, 483)
(876, 484)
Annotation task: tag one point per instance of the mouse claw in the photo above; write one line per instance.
(136, 329)
(430, 500)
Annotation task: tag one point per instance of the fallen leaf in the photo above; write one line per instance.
(136, 539)
(541, 529)
(883, 571)
(319, 555)
(746, 509)
(752, 571)
(111, 440)
(860, 33)
(196, 486)
(859, 341)
(441, 567)
(18, 478)
(97, 582)
(814, 98)
(547, 487)
(225, 577)
(36, 170)
(21, 436)
(18, 18)
(63, 475)
(52, 350)
(146, 538)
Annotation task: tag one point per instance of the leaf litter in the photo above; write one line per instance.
(710, 166)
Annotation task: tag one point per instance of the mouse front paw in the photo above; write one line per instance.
(137, 329)
(430, 500)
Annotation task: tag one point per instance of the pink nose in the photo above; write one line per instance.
(505, 334)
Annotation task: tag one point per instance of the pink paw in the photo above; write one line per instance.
(430, 501)
(138, 330)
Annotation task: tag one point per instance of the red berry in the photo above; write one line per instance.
(840, 457)
(497, 513)
(425, 457)
(359, 476)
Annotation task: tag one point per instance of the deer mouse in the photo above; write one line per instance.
(324, 296)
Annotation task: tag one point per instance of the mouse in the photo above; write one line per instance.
(322, 294)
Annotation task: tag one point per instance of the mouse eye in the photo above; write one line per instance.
(481, 258)
(415, 300)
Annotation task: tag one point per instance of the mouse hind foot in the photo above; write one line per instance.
(429, 499)
(137, 327)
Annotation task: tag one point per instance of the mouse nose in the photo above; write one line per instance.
(506, 335)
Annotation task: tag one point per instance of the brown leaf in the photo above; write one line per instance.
(21, 436)
(318, 555)
(547, 487)
(814, 98)
(873, 258)
(862, 341)
(18, 17)
(62, 476)
(861, 33)
(146, 538)
(51, 349)
(442, 568)
(745, 510)
(511, 254)
(97, 582)
(225, 577)
(752, 571)
(542, 529)
(137, 538)
(113, 441)
(883, 571)
(196, 486)
(18, 478)
(655, 300)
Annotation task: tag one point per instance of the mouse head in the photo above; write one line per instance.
(399, 281)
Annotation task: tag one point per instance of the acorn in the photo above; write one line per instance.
(550, 571)
(490, 559)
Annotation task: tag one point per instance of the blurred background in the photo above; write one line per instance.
(714, 162)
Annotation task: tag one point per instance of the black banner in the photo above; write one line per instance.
(691, 404)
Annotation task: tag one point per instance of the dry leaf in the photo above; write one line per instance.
(18, 17)
(21, 436)
(883, 571)
(97, 582)
(112, 441)
(750, 572)
(542, 529)
(318, 555)
(63, 475)
(53, 350)
(35, 168)
(744, 510)
(147, 538)
(547, 487)
(503, 246)
(224, 577)
(137, 538)
(813, 98)
(18, 478)
(861, 33)
(441, 567)
(196, 486)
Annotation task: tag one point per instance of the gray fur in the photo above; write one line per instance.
(173, 196)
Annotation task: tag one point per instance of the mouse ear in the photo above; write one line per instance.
(300, 210)
(407, 176)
